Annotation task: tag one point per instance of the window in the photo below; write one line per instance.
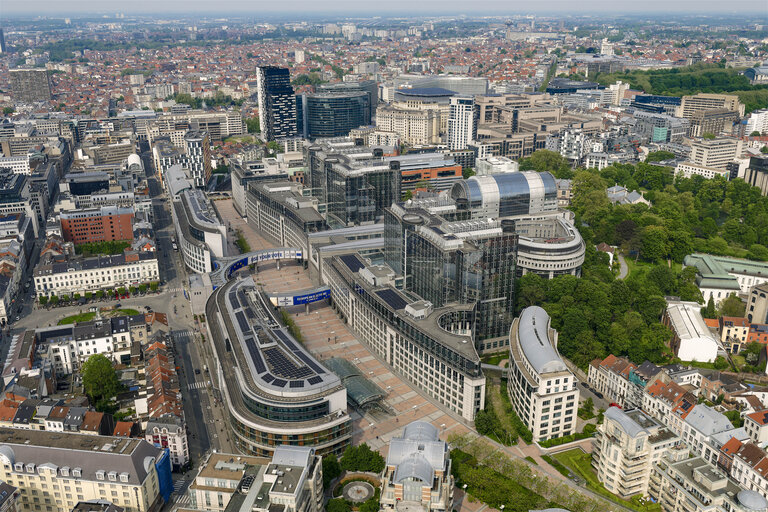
(100, 474)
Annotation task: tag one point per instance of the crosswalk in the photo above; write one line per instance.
(197, 385)
(181, 499)
(174, 290)
(178, 485)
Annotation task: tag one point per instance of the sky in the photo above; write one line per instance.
(437, 7)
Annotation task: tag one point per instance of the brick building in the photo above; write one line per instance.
(102, 224)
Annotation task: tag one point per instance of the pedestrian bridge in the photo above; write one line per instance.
(224, 268)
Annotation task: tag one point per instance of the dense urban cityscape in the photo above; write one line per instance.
(399, 262)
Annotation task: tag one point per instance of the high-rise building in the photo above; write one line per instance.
(370, 87)
(30, 85)
(3, 48)
(277, 103)
(462, 123)
(334, 114)
(198, 159)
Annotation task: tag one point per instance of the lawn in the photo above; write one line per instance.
(80, 317)
(580, 463)
(634, 266)
(495, 359)
(87, 317)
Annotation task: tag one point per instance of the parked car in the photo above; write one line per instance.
(197, 371)
(118, 305)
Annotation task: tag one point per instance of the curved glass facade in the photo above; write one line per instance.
(509, 194)
(335, 114)
(301, 412)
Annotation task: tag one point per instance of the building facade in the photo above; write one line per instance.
(277, 103)
(107, 223)
(542, 390)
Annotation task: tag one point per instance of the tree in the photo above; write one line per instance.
(362, 458)
(732, 306)
(253, 125)
(338, 505)
(753, 134)
(54, 300)
(655, 243)
(708, 136)
(659, 156)
(467, 172)
(43, 300)
(709, 311)
(544, 160)
(720, 363)
(8, 111)
(100, 380)
(331, 469)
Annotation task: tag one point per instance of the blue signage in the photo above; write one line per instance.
(312, 297)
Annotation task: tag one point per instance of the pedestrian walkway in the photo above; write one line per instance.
(181, 499)
(197, 385)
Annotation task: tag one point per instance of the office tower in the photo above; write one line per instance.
(198, 159)
(334, 114)
(462, 123)
(277, 103)
(30, 85)
(3, 48)
(368, 86)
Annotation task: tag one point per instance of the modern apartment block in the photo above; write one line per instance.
(198, 161)
(462, 123)
(627, 447)
(54, 471)
(542, 390)
(292, 480)
(418, 470)
(693, 485)
(106, 223)
(30, 85)
(277, 103)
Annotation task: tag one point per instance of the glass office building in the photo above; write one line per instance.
(507, 195)
(334, 114)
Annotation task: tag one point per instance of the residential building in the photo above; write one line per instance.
(750, 469)
(693, 485)
(292, 481)
(462, 123)
(198, 157)
(72, 276)
(102, 224)
(757, 121)
(661, 398)
(611, 378)
(8, 493)
(169, 431)
(56, 470)
(733, 333)
(30, 85)
(756, 425)
(703, 429)
(692, 339)
(417, 473)
(542, 390)
(628, 445)
(277, 103)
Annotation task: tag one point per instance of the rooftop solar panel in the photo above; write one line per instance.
(284, 367)
(296, 384)
(391, 297)
(233, 300)
(268, 377)
(314, 380)
(352, 262)
(242, 322)
(249, 312)
(308, 360)
(280, 383)
(255, 354)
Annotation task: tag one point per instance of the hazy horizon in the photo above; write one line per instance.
(426, 7)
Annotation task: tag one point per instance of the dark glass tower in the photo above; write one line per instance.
(277, 103)
(334, 114)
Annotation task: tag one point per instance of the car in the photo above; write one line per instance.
(118, 305)
(598, 394)
(585, 385)
(197, 371)
(614, 404)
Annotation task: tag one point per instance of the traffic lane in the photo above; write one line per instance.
(199, 441)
